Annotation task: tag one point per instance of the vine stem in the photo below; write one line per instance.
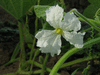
(22, 53)
(94, 21)
(85, 19)
(69, 53)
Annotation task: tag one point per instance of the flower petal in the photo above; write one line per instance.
(46, 37)
(71, 22)
(56, 41)
(74, 38)
(53, 47)
(43, 36)
(54, 15)
(49, 42)
(50, 49)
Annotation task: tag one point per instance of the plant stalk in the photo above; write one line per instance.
(22, 53)
(69, 53)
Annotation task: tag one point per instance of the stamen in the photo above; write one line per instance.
(59, 31)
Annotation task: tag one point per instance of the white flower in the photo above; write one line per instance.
(49, 41)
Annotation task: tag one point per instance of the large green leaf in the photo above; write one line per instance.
(92, 8)
(17, 8)
(48, 2)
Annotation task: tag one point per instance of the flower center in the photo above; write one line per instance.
(59, 31)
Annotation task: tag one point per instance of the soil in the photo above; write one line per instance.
(7, 46)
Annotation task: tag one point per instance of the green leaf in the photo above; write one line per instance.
(17, 8)
(92, 8)
(48, 2)
(47, 26)
(74, 71)
(40, 10)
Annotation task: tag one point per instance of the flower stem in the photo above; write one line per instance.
(85, 19)
(43, 66)
(71, 52)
